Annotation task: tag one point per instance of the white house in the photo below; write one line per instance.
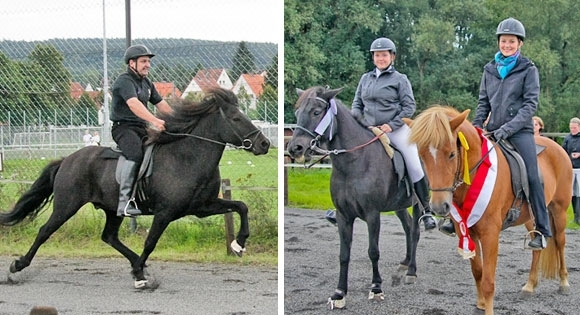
(206, 79)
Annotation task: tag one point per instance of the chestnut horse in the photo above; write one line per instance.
(451, 149)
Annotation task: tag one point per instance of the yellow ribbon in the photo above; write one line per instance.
(465, 145)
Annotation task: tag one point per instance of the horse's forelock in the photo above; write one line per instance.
(311, 93)
(431, 128)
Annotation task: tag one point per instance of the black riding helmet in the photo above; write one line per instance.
(137, 51)
(511, 26)
(382, 44)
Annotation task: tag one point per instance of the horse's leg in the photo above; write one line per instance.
(489, 251)
(374, 227)
(158, 226)
(345, 230)
(62, 211)
(559, 220)
(477, 272)
(406, 222)
(110, 236)
(532, 283)
(223, 206)
(411, 228)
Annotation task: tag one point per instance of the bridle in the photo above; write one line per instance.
(247, 141)
(325, 123)
(458, 180)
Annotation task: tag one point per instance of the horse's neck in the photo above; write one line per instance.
(351, 135)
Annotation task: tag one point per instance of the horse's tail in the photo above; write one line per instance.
(33, 200)
(550, 259)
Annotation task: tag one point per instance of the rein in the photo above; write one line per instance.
(458, 181)
(321, 128)
(247, 143)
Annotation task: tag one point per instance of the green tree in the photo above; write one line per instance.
(267, 105)
(243, 62)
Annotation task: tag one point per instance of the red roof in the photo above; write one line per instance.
(76, 90)
(256, 83)
(167, 89)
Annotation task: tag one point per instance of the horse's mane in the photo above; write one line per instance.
(431, 127)
(187, 113)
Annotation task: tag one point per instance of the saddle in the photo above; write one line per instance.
(142, 181)
(520, 185)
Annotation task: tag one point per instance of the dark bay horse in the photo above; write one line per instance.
(451, 149)
(362, 185)
(185, 179)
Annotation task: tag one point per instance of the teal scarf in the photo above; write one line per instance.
(505, 64)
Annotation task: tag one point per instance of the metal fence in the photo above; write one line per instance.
(55, 80)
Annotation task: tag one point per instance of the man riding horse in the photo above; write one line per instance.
(131, 92)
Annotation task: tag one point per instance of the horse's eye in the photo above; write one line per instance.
(452, 155)
(317, 112)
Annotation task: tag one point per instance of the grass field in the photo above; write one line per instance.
(187, 239)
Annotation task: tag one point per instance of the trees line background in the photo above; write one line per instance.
(442, 46)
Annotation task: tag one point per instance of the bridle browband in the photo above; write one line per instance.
(247, 143)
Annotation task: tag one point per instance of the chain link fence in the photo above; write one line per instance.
(58, 60)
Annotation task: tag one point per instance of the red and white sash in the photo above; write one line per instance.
(477, 198)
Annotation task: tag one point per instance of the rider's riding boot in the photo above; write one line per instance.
(331, 216)
(447, 227)
(539, 242)
(126, 207)
(576, 209)
(422, 191)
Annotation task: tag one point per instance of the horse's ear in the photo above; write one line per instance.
(328, 94)
(408, 121)
(455, 122)
(299, 91)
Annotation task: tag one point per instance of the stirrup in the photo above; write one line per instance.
(532, 245)
(129, 211)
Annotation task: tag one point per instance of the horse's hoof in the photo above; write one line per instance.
(565, 290)
(13, 267)
(332, 304)
(380, 296)
(526, 294)
(237, 249)
(410, 279)
(140, 284)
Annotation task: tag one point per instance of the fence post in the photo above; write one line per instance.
(228, 217)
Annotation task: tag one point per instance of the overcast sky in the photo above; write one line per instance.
(223, 20)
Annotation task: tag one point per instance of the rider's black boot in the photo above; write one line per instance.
(447, 227)
(126, 207)
(422, 191)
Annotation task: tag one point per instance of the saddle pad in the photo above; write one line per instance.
(384, 140)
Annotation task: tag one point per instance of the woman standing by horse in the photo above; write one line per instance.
(509, 92)
(383, 97)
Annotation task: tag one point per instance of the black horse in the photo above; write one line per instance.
(362, 185)
(185, 178)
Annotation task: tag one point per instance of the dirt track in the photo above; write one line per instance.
(444, 285)
(105, 286)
